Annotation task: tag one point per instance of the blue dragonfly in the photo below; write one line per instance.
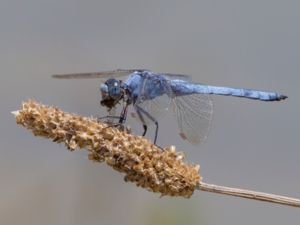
(153, 94)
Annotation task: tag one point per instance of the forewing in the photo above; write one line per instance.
(172, 76)
(115, 74)
(194, 115)
(101, 75)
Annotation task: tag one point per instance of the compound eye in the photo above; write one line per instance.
(104, 88)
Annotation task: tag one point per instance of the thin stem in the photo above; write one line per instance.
(249, 194)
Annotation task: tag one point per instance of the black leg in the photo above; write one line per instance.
(123, 115)
(156, 132)
(142, 120)
(108, 117)
(145, 130)
(141, 111)
(121, 118)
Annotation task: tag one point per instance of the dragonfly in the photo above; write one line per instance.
(153, 94)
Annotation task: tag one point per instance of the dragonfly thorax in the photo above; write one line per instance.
(111, 92)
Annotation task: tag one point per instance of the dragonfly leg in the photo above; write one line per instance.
(141, 111)
(107, 117)
(145, 130)
(121, 118)
(123, 115)
(142, 120)
(118, 125)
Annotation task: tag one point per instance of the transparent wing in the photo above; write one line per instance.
(154, 98)
(156, 108)
(115, 74)
(172, 76)
(103, 75)
(194, 115)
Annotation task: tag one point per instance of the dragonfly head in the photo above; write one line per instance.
(111, 92)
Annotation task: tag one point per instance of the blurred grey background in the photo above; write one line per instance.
(255, 145)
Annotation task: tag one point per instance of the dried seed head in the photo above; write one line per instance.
(164, 171)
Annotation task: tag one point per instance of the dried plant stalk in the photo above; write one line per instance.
(249, 194)
(163, 171)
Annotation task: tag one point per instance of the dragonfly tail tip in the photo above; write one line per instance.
(282, 97)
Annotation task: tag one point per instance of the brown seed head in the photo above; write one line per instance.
(164, 171)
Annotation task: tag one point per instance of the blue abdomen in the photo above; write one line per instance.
(185, 88)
